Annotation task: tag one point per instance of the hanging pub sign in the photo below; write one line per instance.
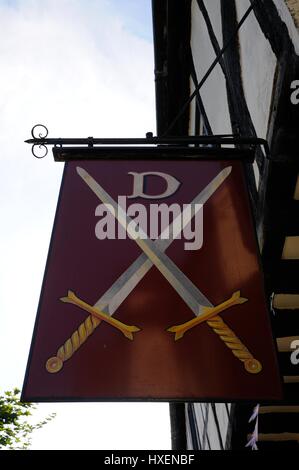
(153, 289)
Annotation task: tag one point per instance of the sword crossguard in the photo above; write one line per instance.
(126, 330)
(207, 313)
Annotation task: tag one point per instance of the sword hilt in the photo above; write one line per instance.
(55, 363)
(212, 318)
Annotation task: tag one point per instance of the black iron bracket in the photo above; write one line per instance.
(213, 147)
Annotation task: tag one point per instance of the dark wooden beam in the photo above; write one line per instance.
(172, 20)
(239, 113)
(272, 26)
(199, 103)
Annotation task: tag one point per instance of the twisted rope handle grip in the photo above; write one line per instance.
(252, 365)
(72, 344)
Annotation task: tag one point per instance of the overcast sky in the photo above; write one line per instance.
(81, 67)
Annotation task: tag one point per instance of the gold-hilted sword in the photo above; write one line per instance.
(129, 279)
(192, 296)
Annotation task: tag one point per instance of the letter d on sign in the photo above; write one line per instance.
(139, 185)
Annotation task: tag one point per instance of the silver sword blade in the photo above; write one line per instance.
(193, 297)
(129, 279)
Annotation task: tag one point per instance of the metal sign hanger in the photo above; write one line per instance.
(217, 147)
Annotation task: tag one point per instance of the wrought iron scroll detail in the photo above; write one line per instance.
(39, 133)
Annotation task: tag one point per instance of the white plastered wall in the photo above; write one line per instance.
(258, 65)
(213, 92)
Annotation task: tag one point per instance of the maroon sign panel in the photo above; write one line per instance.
(153, 289)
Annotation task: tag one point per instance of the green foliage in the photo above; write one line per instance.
(15, 429)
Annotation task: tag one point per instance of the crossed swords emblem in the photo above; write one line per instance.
(153, 254)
